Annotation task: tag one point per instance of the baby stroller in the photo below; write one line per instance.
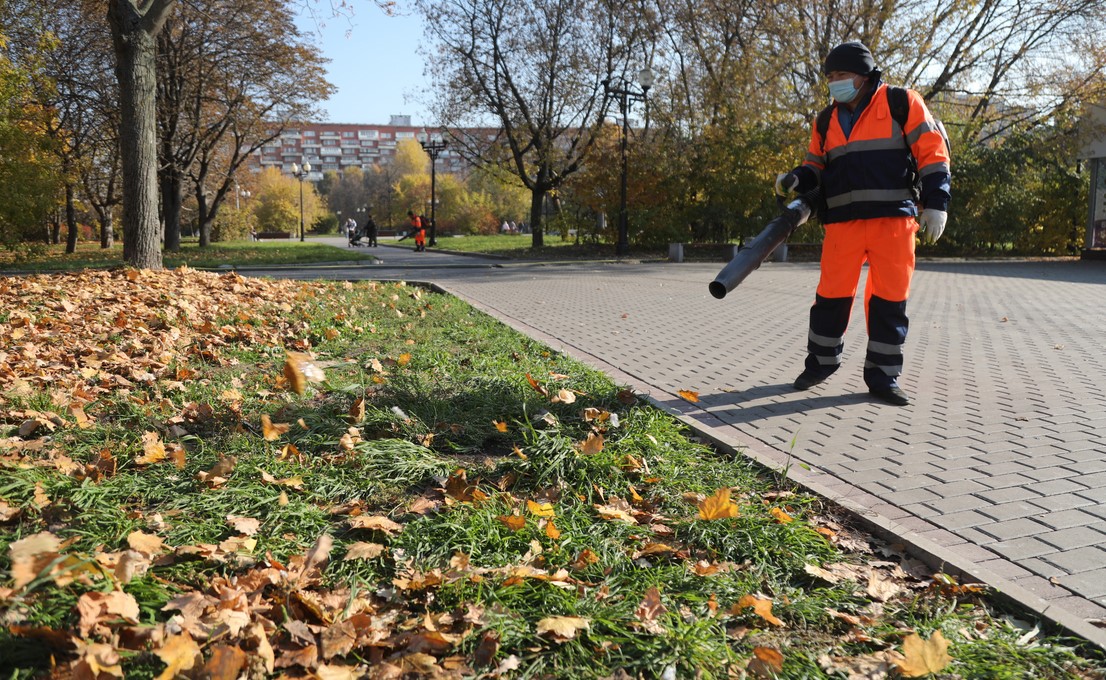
(355, 237)
(367, 230)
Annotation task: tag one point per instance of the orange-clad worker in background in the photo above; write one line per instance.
(418, 230)
(865, 165)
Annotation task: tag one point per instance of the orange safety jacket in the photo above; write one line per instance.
(869, 173)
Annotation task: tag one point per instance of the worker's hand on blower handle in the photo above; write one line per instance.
(786, 183)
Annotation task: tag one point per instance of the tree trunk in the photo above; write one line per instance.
(204, 218)
(537, 202)
(70, 219)
(171, 199)
(133, 34)
(107, 228)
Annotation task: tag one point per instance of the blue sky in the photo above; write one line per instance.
(374, 64)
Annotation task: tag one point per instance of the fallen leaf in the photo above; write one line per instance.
(247, 526)
(924, 657)
(153, 450)
(226, 663)
(592, 445)
(766, 663)
(718, 506)
(562, 628)
(761, 606)
(272, 431)
(537, 388)
(781, 516)
(689, 395)
(97, 661)
(361, 550)
(147, 544)
(512, 522)
(300, 369)
(375, 523)
(541, 509)
(649, 610)
(96, 607)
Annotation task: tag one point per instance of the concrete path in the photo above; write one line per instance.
(998, 467)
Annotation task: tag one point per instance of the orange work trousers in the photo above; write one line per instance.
(885, 243)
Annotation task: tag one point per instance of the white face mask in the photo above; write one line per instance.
(843, 91)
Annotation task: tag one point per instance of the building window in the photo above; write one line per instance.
(308, 133)
(368, 134)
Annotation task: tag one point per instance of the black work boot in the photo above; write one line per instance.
(891, 394)
(809, 378)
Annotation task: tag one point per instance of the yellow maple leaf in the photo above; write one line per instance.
(762, 607)
(300, 369)
(153, 450)
(272, 431)
(500, 425)
(781, 516)
(718, 506)
(690, 395)
(512, 522)
(592, 445)
(552, 531)
(924, 657)
(179, 653)
(541, 509)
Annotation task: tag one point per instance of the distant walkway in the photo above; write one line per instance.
(998, 467)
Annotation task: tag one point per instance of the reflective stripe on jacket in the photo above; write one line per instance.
(868, 174)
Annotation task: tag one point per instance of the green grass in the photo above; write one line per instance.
(440, 382)
(520, 246)
(234, 253)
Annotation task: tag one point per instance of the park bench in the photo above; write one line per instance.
(263, 235)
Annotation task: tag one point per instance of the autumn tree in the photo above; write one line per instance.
(233, 74)
(29, 172)
(70, 43)
(277, 203)
(534, 68)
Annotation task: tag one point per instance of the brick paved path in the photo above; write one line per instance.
(998, 467)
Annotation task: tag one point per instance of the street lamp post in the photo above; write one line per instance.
(300, 174)
(434, 147)
(626, 96)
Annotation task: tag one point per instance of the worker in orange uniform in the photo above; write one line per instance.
(418, 230)
(866, 164)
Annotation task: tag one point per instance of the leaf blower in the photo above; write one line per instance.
(749, 258)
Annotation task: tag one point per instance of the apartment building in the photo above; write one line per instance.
(335, 147)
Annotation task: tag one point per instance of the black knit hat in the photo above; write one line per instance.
(852, 57)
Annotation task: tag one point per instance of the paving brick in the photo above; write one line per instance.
(1074, 537)
(1022, 547)
(1091, 583)
(1011, 494)
(1077, 560)
(1014, 528)
(960, 520)
(1065, 519)
(1064, 502)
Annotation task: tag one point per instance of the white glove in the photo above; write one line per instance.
(786, 183)
(932, 224)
